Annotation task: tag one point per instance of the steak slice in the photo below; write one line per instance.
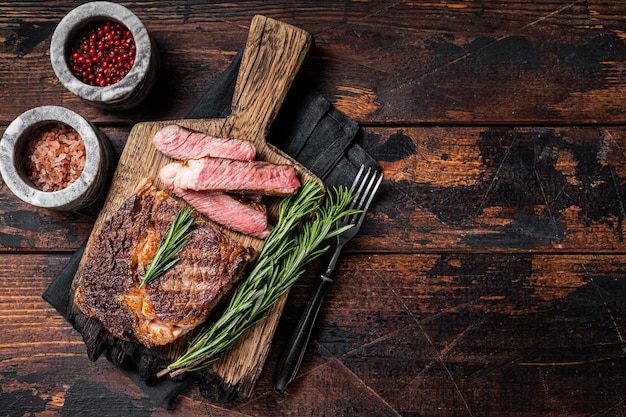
(237, 213)
(172, 304)
(180, 143)
(217, 174)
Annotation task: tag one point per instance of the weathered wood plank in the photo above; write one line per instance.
(498, 189)
(434, 334)
(408, 62)
(446, 189)
(481, 335)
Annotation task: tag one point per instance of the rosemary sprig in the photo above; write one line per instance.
(175, 238)
(280, 263)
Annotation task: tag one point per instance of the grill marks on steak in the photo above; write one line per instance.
(180, 143)
(217, 174)
(176, 302)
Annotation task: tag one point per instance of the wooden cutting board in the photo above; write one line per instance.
(272, 56)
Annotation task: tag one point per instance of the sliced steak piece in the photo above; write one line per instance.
(180, 143)
(216, 174)
(172, 304)
(237, 213)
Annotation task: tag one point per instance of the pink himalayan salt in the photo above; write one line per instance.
(54, 157)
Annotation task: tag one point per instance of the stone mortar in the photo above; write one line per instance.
(81, 193)
(135, 86)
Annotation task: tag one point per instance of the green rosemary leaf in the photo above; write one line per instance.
(173, 241)
(282, 260)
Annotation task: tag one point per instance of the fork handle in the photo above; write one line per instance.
(289, 363)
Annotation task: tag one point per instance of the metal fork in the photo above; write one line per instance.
(365, 185)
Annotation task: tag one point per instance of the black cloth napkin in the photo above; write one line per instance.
(307, 128)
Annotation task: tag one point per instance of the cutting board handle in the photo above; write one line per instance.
(271, 59)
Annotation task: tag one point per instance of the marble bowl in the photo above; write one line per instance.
(86, 189)
(135, 86)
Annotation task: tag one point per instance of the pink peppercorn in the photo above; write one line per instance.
(102, 53)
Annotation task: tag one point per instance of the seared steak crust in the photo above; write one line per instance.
(178, 300)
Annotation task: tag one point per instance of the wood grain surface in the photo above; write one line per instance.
(488, 277)
(402, 62)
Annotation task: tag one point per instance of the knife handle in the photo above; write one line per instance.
(289, 363)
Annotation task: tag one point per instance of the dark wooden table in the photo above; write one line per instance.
(489, 277)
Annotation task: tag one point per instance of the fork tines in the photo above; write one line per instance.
(365, 185)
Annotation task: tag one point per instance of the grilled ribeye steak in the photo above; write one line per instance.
(180, 143)
(238, 213)
(218, 174)
(172, 304)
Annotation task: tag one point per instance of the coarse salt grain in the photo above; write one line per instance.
(54, 157)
